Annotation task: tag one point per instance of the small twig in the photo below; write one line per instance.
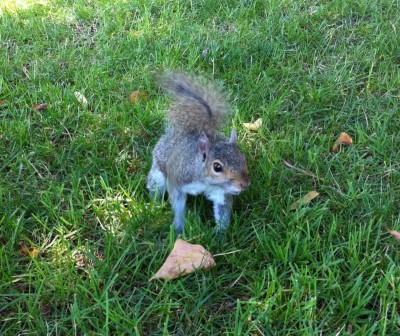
(37, 172)
(221, 254)
(305, 172)
(262, 334)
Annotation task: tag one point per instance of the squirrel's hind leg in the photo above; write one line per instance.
(156, 182)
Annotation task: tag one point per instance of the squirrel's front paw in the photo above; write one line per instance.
(220, 230)
(178, 226)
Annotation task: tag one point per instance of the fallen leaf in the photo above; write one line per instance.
(184, 259)
(253, 126)
(344, 139)
(2, 102)
(137, 96)
(395, 234)
(32, 252)
(80, 98)
(304, 200)
(41, 106)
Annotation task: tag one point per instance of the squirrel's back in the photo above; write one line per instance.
(196, 106)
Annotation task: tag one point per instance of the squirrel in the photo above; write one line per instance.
(193, 157)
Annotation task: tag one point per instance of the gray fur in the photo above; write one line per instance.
(195, 105)
(184, 157)
(222, 214)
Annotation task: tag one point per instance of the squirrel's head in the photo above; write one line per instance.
(224, 164)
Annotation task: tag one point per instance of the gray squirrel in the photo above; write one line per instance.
(192, 157)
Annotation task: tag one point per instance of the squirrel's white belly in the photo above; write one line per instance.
(213, 193)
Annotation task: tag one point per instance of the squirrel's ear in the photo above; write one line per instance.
(204, 144)
(233, 138)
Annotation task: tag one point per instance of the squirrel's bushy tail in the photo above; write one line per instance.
(196, 106)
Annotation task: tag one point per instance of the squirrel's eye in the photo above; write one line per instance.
(217, 167)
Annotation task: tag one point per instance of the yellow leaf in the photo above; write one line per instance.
(137, 96)
(184, 259)
(343, 139)
(304, 200)
(32, 252)
(253, 126)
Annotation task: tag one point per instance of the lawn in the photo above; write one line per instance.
(79, 236)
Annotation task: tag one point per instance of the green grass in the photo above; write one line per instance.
(72, 178)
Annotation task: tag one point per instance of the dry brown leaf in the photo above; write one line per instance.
(32, 252)
(137, 96)
(80, 98)
(184, 259)
(253, 126)
(304, 200)
(395, 234)
(41, 106)
(344, 139)
(2, 102)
